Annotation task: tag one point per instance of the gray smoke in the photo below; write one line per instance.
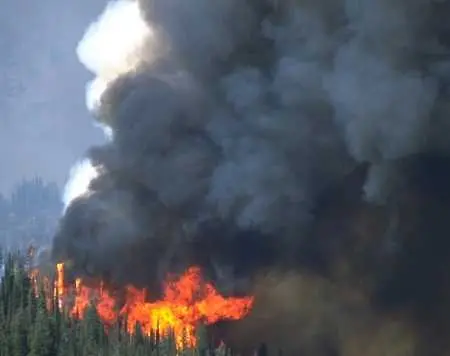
(236, 118)
(250, 110)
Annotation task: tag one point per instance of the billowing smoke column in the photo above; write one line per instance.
(250, 136)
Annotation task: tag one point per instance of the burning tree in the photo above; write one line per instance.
(45, 315)
(188, 301)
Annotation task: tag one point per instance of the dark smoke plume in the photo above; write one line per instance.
(302, 138)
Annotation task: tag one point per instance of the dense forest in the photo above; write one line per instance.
(29, 214)
(32, 324)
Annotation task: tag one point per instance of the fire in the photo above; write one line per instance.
(59, 283)
(188, 301)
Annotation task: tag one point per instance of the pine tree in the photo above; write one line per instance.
(42, 340)
(66, 342)
(140, 350)
(29, 327)
(4, 333)
(19, 334)
(18, 283)
(32, 306)
(23, 285)
(8, 289)
(56, 319)
(139, 338)
(93, 332)
(166, 345)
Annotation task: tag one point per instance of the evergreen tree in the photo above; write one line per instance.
(42, 340)
(8, 289)
(32, 306)
(202, 340)
(29, 327)
(66, 342)
(19, 334)
(93, 332)
(4, 333)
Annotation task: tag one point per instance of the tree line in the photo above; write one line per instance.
(32, 324)
(29, 214)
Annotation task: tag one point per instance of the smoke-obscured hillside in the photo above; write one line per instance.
(30, 214)
(44, 125)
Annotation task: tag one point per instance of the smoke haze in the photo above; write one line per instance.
(249, 136)
(44, 125)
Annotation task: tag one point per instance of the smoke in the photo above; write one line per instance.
(80, 177)
(248, 136)
(44, 123)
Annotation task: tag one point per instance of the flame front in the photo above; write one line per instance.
(59, 284)
(187, 302)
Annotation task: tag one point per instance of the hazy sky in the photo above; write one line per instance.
(44, 126)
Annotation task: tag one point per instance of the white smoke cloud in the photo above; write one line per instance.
(111, 46)
(80, 177)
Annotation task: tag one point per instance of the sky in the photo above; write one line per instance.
(44, 124)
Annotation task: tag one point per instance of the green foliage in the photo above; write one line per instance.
(19, 334)
(29, 327)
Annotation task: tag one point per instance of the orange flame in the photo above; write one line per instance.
(59, 284)
(50, 291)
(187, 302)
